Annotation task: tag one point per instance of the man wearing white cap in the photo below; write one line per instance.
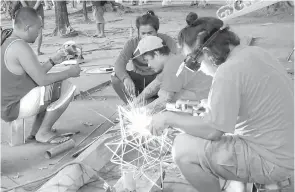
(168, 87)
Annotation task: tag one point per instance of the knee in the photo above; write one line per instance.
(66, 84)
(185, 152)
(67, 87)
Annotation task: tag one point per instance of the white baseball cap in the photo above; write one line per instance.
(147, 44)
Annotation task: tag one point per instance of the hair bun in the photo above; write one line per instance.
(191, 18)
(150, 12)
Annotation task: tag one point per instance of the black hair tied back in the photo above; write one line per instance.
(191, 18)
(150, 12)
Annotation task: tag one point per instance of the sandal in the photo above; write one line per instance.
(56, 139)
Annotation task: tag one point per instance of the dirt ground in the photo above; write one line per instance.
(274, 32)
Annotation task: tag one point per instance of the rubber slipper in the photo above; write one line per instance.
(54, 140)
(69, 134)
(30, 138)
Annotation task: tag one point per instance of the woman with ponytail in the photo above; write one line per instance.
(128, 84)
(247, 131)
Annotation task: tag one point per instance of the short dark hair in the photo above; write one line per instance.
(148, 19)
(25, 16)
(163, 51)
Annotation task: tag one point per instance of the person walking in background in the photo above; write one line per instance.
(98, 12)
(49, 4)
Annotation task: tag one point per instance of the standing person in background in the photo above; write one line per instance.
(48, 5)
(129, 84)
(39, 8)
(98, 12)
(15, 5)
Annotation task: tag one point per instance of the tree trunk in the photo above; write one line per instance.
(74, 4)
(85, 11)
(61, 18)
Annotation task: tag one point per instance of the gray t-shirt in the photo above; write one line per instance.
(188, 85)
(253, 97)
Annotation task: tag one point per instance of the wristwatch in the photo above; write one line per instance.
(51, 61)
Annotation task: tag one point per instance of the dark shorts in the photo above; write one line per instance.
(40, 12)
(98, 12)
(230, 158)
(141, 81)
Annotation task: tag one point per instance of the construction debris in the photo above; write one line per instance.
(290, 55)
(68, 145)
(17, 176)
(87, 123)
(41, 168)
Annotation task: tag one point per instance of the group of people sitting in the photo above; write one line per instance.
(246, 134)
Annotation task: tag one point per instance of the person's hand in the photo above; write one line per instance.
(59, 57)
(139, 101)
(74, 71)
(180, 104)
(158, 123)
(204, 103)
(129, 86)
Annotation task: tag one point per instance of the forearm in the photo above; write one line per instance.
(50, 78)
(47, 66)
(121, 72)
(192, 125)
(24, 4)
(160, 103)
(37, 4)
(157, 105)
(122, 60)
(151, 90)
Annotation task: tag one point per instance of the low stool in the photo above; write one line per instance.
(17, 132)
